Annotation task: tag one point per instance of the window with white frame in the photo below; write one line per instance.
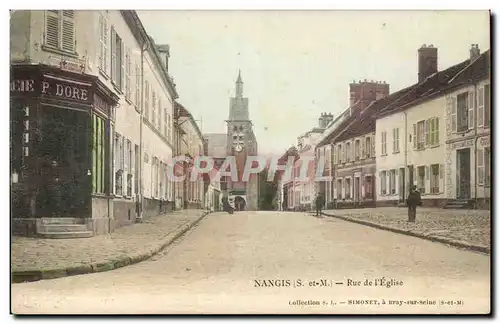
(368, 146)
(463, 112)
(334, 154)
(356, 150)
(340, 154)
(392, 182)
(104, 44)
(130, 169)
(419, 135)
(434, 178)
(60, 30)
(483, 106)
(383, 141)
(153, 110)
(432, 131)
(154, 176)
(137, 100)
(483, 166)
(146, 100)
(348, 152)
(117, 60)
(383, 182)
(395, 140)
(128, 73)
(348, 188)
(339, 189)
(119, 164)
(160, 119)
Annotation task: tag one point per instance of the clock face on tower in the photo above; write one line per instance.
(238, 148)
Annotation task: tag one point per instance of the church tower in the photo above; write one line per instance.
(241, 142)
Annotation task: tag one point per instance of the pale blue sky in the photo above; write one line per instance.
(297, 64)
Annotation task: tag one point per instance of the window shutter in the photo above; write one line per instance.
(113, 54)
(146, 100)
(68, 31)
(160, 120)
(471, 109)
(105, 44)
(387, 182)
(427, 133)
(480, 107)
(480, 166)
(436, 131)
(137, 85)
(427, 178)
(372, 140)
(415, 175)
(101, 41)
(362, 147)
(414, 139)
(129, 72)
(122, 67)
(52, 32)
(334, 161)
(453, 114)
(441, 178)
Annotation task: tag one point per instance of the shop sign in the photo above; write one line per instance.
(53, 86)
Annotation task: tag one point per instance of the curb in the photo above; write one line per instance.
(455, 243)
(122, 261)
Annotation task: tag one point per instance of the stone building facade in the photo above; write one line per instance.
(92, 105)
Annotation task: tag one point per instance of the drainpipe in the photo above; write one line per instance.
(144, 48)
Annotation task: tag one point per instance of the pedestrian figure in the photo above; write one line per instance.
(414, 200)
(320, 202)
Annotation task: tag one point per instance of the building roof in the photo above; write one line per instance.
(440, 82)
(355, 111)
(181, 111)
(365, 123)
(217, 145)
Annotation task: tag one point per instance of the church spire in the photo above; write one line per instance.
(239, 86)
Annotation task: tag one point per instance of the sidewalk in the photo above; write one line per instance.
(35, 258)
(470, 229)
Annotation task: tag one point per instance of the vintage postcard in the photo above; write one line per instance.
(250, 162)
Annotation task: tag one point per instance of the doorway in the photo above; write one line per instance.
(463, 174)
(239, 203)
(356, 189)
(63, 158)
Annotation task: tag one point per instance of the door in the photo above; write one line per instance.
(401, 182)
(356, 189)
(463, 174)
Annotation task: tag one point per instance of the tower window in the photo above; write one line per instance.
(241, 128)
(235, 128)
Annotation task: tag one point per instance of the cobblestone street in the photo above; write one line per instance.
(272, 262)
(470, 226)
(36, 254)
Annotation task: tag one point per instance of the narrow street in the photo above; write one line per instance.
(226, 262)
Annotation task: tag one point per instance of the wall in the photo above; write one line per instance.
(467, 139)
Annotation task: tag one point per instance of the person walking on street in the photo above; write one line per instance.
(320, 202)
(414, 200)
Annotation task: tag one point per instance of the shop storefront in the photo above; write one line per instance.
(61, 123)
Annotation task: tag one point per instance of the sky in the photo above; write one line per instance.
(297, 64)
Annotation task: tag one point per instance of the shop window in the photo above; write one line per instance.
(98, 155)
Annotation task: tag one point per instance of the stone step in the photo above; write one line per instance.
(62, 228)
(66, 235)
(62, 220)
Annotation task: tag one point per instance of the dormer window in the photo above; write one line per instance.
(235, 128)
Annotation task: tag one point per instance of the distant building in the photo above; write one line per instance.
(240, 142)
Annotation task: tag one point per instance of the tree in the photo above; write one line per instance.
(267, 192)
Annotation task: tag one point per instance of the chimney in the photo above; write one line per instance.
(427, 61)
(474, 52)
(164, 50)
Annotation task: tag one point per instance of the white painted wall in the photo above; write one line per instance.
(417, 157)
